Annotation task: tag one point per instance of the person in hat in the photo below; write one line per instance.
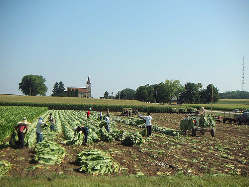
(39, 125)
(51, 120)
(22, 128)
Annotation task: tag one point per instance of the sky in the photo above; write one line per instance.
(124, 43)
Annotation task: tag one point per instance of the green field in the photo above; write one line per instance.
(234, 101)
(223, 104)
(67, 100)
(164, 159)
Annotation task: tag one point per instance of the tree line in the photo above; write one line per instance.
(168, 91)
(33, 85)
(164, 92)
(234, 95)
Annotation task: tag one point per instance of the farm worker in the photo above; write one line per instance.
(88, 114)
(52, 122)
(107, 120)
(202, 111)
(100, 115)
(22, 128)
(39, 125)
(108, 112)
(83, 129)
(148, 124)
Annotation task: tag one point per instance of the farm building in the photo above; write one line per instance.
(80, 92)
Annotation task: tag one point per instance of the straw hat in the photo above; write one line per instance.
(24, 119)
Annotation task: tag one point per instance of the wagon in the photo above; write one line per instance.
(236, 117)
(202, 123)
(129, 112)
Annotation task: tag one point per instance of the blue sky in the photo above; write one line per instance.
(124, 44)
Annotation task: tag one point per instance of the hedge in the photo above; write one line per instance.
(113, 108)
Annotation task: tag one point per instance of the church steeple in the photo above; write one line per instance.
(88, 81)
(88, 87)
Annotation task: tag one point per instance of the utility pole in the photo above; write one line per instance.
(243, 75)
(212, 98)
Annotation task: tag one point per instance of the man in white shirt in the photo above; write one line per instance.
(148, 124)
(39, 136)
(107, 120)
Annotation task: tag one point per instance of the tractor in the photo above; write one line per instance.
(242, 118)
(203, 123)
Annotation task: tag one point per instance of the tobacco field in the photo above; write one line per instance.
(123, 151)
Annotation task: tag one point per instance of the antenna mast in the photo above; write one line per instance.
(243, 75)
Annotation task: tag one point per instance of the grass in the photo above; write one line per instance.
(178, 180)
(234, 101)
(68, 100)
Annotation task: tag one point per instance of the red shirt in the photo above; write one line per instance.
(88, 113)
(21, 127)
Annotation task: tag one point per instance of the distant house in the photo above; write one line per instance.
(80, 92)
(173, 101)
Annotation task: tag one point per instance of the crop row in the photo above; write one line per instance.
(10, 115)
(140, 123)
(110, 107)
(48, 151)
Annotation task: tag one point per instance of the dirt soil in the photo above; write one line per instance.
(226, 153)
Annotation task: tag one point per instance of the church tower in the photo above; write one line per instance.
(88, 87)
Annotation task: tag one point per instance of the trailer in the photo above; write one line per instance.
(236, 117)
(203, 123)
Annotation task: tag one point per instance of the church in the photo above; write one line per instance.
(80, 92)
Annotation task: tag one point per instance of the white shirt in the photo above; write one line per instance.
(147, 119)
(39, 126)
(107, 119)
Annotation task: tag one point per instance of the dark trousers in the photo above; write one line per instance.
(85, 137)
(148, 130)
(39, 137)
(21, 139)
(52, 128)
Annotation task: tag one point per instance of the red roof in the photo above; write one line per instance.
(80, 90)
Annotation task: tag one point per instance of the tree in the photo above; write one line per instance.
(151, 93)
(162, 93)
(55, 89)
(146, 93)
(127, 94)
(234, 95)
(142, 93)
(191, 93)
(174, 88)
(106, 95)
(59, 89)
(33, 85)
(210, 94)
